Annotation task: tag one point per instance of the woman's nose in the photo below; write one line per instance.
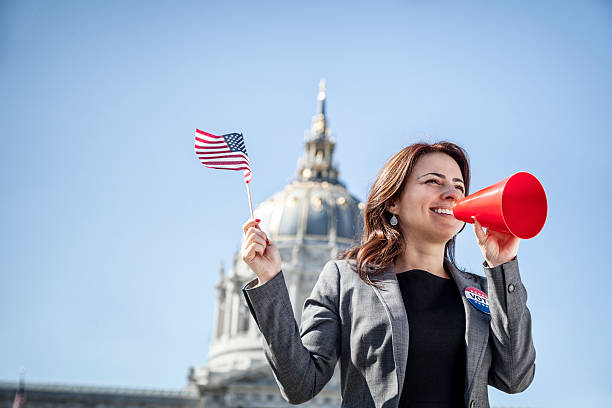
(451, 193)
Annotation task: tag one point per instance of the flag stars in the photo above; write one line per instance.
(235, 142)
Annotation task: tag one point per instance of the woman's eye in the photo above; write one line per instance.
(435, 181)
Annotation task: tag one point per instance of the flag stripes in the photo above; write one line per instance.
(226, 152)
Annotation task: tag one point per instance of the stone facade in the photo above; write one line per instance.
(71, 396)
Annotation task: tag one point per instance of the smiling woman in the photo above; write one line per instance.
(409, 328)
(412, 185)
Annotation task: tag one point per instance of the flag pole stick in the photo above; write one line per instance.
(250, 202)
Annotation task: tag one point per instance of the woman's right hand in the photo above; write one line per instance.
(259, 253)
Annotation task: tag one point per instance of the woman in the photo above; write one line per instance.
(409, 328)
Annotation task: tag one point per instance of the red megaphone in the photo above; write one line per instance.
(516, 205)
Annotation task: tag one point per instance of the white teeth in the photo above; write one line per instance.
(443, 211)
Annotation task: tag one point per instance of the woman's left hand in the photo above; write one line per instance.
(496, 247)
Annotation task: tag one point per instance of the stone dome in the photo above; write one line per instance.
(310, 210)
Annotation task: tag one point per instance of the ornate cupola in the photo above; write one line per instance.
(316, 163)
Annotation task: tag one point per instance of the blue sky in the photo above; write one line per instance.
(113, 232)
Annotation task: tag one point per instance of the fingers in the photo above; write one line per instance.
(250, 223)
(255, 235)
(252, 227)
(252, 251)
(505, 240)
(255, 230)
(255, 240)
(256, 248)
(480, 234)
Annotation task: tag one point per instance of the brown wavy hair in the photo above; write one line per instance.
(381, 243)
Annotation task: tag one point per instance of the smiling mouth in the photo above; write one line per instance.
(445, 212)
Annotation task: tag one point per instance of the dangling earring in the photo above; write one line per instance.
(393, 220)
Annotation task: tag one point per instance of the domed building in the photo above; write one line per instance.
(311, 220)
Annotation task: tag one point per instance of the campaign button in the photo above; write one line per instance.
(478, 299)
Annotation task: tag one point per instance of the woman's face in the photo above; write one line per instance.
(425, 204)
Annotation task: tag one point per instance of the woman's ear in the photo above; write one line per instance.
(392, 207)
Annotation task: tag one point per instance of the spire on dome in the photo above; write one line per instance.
(316, 163)
(319, 121)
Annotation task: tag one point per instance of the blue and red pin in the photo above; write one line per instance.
(478, 299)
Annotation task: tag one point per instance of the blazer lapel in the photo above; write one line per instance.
(391, 297)
(476, 322)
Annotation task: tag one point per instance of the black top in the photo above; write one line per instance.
(435, 373)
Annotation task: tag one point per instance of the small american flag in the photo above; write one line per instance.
(226, 152)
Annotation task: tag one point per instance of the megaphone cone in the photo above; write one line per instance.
(516, 205)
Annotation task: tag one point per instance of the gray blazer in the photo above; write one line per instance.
(367, 330)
